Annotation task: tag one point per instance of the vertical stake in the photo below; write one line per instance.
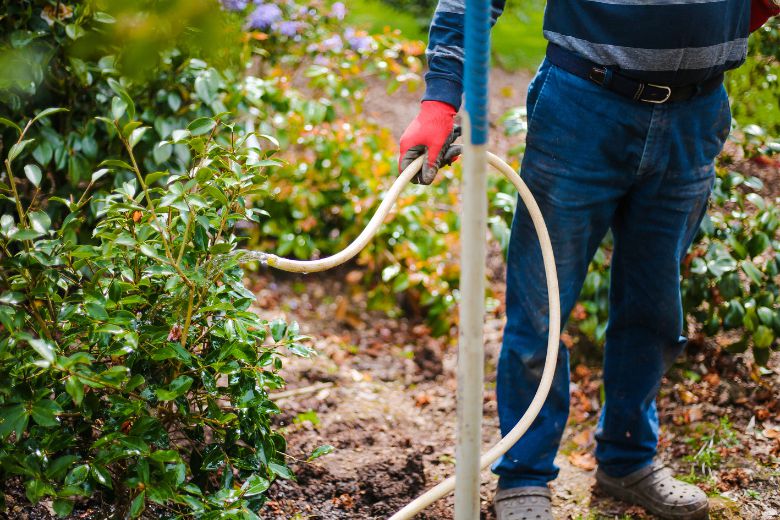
(472, 262)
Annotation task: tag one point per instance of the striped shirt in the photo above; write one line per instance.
(669, 42)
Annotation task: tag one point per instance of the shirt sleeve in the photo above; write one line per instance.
(444, 79)
(760, 12)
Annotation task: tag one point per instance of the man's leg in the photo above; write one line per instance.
(574, 126)
(653, 228)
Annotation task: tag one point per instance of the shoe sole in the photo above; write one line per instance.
(631, 497)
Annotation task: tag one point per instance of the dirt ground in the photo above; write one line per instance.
(384, 397)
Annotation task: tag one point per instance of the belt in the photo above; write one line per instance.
(613, 80)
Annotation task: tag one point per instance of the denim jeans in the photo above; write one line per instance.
(596, 161)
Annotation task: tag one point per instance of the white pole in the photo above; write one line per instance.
(470, 344)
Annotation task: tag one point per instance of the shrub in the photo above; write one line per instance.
(132, 365)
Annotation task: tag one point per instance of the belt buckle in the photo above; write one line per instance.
(660, 101)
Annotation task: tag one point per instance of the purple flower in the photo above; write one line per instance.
(338, 10)
(333, 43)
(264, 16)
(288, 28)
(359, 42)
(234, 5)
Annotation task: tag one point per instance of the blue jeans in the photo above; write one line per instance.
(595, 161)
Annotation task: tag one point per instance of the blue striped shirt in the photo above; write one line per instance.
(669, 42)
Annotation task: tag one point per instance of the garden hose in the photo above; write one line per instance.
(309, 266)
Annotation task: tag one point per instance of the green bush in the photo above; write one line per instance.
(731, 276)
(755, 89)
(131, 363)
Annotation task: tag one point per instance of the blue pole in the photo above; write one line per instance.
(472, 261)
(476, 69)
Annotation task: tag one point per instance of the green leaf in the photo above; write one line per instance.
(178, 387)
(118, 107)
(13, 419)
(17, 148)
(202, 125)
(59, 466)
(281, 470)
(179, 135)
(6, 122)
(763, 337)
(116, 163)
(24, 234)
(96, 310)
(136, 136)
(40, 221)
(320, 451)
(47, 112)
(162, 152)
(73, 31)
(122, 93)
(75, 389)
(752, 272)
(165, 456)
(33, 173)
(77, 475)
(255, 485)
(102, 17)
(101, 474)
(44, 412)
(99, 173)
(137, 505)
(44, 348)
(154, 177)
(62, 506)
(278, 329)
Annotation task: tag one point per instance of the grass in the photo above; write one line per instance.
(374, 16)
(517, 37)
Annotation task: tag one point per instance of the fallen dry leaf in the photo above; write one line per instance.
(583, 460)
(354, 277)
(421, 400)
(772, 433)
(584, 438)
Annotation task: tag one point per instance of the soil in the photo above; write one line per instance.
(390, 415)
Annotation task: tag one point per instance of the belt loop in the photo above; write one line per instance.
(639, 89)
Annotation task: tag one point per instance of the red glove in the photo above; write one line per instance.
(760, 12)
(430, 134)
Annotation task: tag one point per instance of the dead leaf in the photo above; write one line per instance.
(771, 433)
(694, 414)
(584, 438)
(635, 512)
(583, 460)
(686, 396)
(422, 400)
(712, 379)
(354, 277)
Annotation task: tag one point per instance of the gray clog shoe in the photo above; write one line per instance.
(523, 503)
(655, 488)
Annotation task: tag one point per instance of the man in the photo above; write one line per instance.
(625, 118)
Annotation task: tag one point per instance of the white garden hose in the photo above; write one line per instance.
(309, 266)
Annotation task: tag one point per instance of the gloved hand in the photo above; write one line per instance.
(430, 134)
